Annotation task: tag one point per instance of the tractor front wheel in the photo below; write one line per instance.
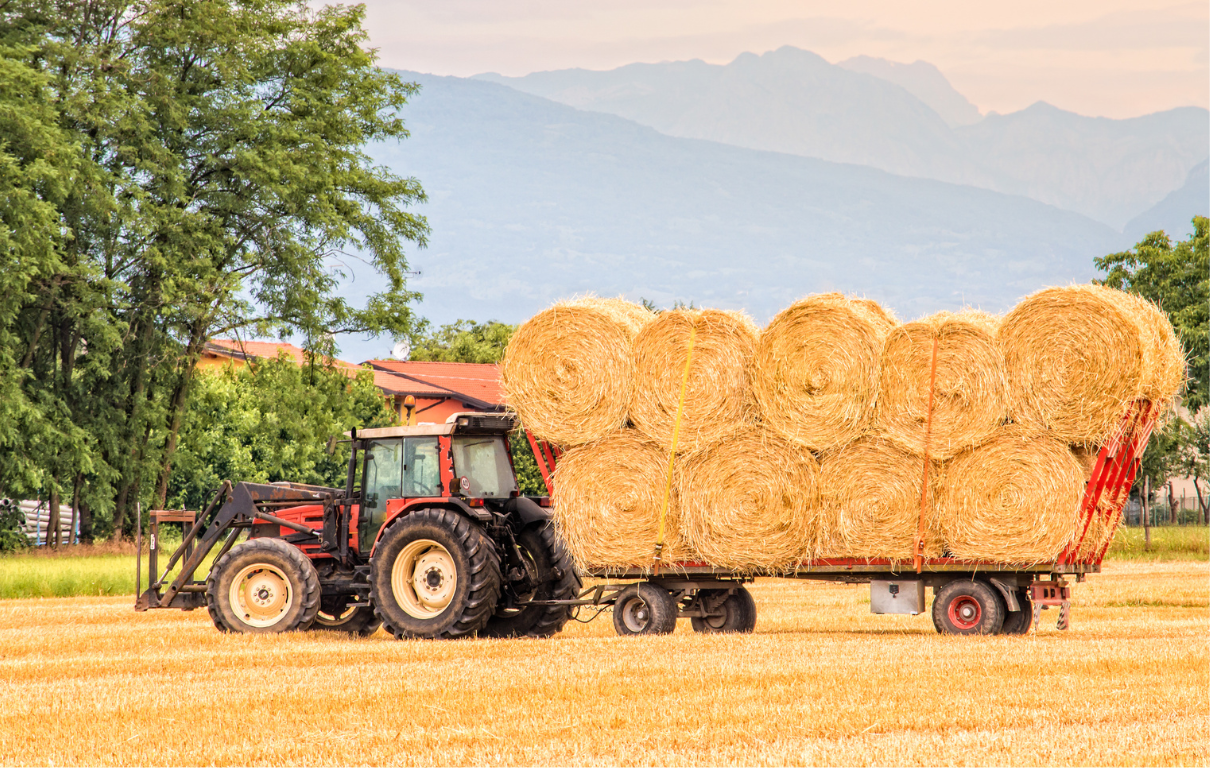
(434, 574)
(263, 586)
(336, 614)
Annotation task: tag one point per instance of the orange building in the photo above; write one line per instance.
(440, 389)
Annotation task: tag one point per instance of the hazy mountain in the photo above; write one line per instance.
(795, 102)
(1174, 214)
(532, 201)
(922, 80)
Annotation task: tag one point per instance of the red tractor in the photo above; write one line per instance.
(429, 538)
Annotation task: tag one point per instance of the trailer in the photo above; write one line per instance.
(970, 597)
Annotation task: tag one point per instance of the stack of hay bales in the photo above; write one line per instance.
(835, 432)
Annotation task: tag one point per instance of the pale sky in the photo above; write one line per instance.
(1113, 58)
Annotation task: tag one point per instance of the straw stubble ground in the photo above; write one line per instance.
(822, 681)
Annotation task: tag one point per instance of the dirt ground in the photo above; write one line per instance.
(87, 680)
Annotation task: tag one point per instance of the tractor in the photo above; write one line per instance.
(430, 538)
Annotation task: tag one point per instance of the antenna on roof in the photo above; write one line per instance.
(402, 350)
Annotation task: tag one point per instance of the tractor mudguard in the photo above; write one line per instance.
(526, 510)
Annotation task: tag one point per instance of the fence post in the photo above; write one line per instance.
(1146, 514)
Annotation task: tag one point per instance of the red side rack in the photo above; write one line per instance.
(546, 454)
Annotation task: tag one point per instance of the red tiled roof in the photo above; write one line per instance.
(475, 380)
(264, 350)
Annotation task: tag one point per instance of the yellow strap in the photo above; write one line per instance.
(676, 431)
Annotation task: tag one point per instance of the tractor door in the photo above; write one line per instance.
(398, 468)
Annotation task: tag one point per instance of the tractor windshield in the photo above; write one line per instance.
(484, 461)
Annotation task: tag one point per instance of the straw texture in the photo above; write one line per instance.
(870, 491)
(969, 396)
(568, 370)
(1164, 358)
(1075, 358)
(607, 500)
(718, 397)
(1013, 499)
(816, 374)
(750, 502)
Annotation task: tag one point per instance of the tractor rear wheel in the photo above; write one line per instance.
(644, 609)
(550, 574)
(736, 611)
(434, 574)
(336, 614)
(263, 586)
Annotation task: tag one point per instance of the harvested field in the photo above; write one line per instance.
(821, 682)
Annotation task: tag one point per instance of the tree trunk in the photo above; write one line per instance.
(1146, 514)
(1201, 503)
(1172, 517)
(180, 398)
(85, 513)
(52, 516)
(73, 536)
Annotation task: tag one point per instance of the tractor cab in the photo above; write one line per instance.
(465, 461)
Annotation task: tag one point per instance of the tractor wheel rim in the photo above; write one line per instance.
(261, 595)
(965, 612)
(636, 615)
(336, 620)
(424, 579)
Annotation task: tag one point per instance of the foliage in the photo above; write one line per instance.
(271, 422)
(172, 171)
(1177, 277)
(12, 537)
(463, 341)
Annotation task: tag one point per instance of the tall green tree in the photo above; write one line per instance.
(1177, 277)
(220, 174)
(463, 341)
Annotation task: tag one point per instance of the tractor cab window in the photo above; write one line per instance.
(381, 480)
(484, 461)
(421, 475)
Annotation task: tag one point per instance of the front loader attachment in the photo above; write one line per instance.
(233, 510)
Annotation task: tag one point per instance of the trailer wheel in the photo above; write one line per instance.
(1019, 622)
(550, 566)
(644, 609)
(965, 607)
(263, 586)
(434, 574)
(738, 612)
(336, 615)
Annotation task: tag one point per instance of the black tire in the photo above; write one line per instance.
(644, 609)
(277, 590)
(738, 612)
(463, 574)
(336, 614)
(965, 607)
(551, 566)
(1019, 622)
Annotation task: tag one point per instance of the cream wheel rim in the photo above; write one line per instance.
(424, 579)
(261, 595)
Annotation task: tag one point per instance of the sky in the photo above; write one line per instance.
(1110, 58)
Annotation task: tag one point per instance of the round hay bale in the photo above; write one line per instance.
(607, 499)
(1075, 358)
(969, 395)
(1013, 499)
(750, 501)
(1162, 350)
(816, 372)
(568, 370)
(718, 397)
(870, 491)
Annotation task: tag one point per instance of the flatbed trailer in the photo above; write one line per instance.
(971, 597)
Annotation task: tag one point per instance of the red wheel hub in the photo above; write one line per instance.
(965, 612)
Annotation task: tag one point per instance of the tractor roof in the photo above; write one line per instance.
(456, 424)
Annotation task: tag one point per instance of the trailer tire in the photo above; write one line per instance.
(968, 607)
(458, 589)
(1019, 622)
(644, 609)
(358, 619)
(739, 612)
(558, 579)
(263, 586)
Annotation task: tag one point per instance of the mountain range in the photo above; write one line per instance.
(901, 118)
(533, 199)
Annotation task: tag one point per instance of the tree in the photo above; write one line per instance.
(463, 341)
(219, 174)
(271, 421)
(1177, 277)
